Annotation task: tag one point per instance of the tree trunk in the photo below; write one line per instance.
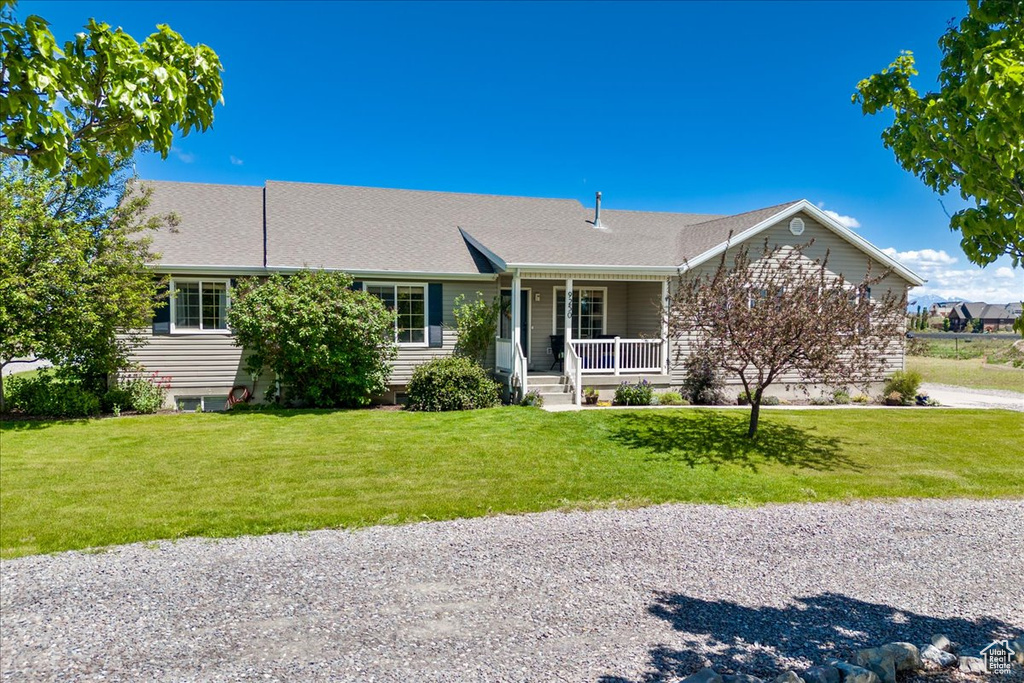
(755, 409)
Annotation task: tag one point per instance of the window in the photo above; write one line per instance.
(199, 305)
(588, 312)
(410, 305)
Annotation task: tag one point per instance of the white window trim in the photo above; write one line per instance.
(426, 310)
(174, 306)
(554, 307)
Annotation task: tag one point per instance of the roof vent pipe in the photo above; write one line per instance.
(597, 212)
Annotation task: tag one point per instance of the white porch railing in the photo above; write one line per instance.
(520, 369)
(573, 371)
(504, 354)
(617, 356)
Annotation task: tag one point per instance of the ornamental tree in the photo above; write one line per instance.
(782, 313)
(72, 283)
(967, 135)
(327, 344)
(100, 97)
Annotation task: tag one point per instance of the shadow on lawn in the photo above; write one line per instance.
(756, 640)
(700, 437)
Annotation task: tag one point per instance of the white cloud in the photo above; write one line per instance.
(183, 156)
(846, 221)
(923, 259)
(236, 161)
(998, 285)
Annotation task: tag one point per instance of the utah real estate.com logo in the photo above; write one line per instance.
(998, 657)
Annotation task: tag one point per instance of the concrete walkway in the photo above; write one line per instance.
(948, 396)
(962, 397)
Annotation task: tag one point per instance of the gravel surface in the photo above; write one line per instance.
(962, 397)
(608, 595)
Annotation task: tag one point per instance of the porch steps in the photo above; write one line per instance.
(553, 388)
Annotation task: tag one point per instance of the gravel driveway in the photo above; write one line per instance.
(609, 595)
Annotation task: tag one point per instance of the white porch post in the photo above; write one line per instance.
(517, 314)
(664, 326)
(568, 316)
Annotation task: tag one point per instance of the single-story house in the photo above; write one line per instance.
(420, 250)
(994, 317)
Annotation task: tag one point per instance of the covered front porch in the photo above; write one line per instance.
(598, 329)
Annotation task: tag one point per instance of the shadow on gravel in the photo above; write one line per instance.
(757, 640)
(716, 439)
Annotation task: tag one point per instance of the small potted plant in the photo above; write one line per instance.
(590, 395)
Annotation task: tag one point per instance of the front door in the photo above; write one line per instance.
(505, 320)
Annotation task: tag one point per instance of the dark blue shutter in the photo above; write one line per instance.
(435, 314)
(162, 315)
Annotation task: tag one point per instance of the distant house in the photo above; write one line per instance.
(942, 308)
(583, 289)
(994, 317)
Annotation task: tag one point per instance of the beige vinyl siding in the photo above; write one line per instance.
(843, 259)
(409, 357)
(209, 364)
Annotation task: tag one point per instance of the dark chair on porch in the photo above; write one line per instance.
(557, 351)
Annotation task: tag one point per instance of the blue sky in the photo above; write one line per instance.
(701, 107)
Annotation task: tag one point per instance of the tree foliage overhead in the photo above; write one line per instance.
(968, 134)
(101, 96)
(330, 346)
(72, 282)
(783, 313)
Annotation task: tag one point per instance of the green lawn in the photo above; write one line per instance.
(99, 482)
(974, 373)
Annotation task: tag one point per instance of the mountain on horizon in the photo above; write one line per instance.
(926, 300)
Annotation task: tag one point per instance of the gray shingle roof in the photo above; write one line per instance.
(369, 228)
(406, 231)
(220, 225)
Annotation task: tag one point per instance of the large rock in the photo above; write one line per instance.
(707, 675)
(938, 657)
(879, 660)
(848, 673)
(740, 678)
(821, 674)
(906, 656)
(788, 677)
(942, 642)
(973, 665)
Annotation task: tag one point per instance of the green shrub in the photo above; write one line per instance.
(904, 382)
(533, 399)
(669, 398)
(841, 398)
(743, 399)
(639, 394)
(139, 392)
(330, 345)
(822, 401)
(770, 400)
(703, 385)
(45, 396)
(861, 398)
(477, 324)
(453, 383)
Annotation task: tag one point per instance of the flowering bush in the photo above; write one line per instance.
(639, 394)
(138, 391)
